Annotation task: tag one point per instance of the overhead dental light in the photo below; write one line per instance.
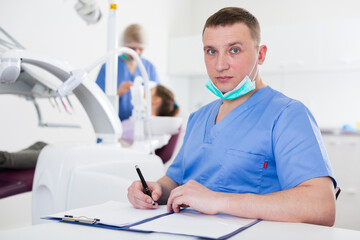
(88, 10)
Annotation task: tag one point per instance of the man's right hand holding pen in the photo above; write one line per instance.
(160, 192)
(139, 199)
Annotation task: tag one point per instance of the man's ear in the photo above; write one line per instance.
(262, 54)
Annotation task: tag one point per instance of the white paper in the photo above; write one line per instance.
(190, 222)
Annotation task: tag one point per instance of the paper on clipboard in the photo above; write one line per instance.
(194, 223)
(123, 216)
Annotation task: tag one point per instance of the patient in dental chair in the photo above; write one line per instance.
(17, 170)
(164, 105)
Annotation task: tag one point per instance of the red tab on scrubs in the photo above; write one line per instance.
(265, 164)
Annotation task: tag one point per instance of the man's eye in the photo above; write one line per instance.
(211, 51)
(234, 50)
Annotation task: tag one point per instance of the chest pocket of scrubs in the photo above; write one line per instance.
(241, 171)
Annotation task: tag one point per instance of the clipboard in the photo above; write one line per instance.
(81, 219)
(189, 222)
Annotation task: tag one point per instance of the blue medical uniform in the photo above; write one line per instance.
(267, 144)
(124, 75)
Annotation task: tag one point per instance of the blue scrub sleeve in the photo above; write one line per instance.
(298, 147)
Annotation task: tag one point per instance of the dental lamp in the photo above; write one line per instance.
(77, 76)
(88, 10)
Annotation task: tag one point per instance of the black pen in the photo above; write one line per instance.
(145, 186)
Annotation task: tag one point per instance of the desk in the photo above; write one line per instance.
(260, 231)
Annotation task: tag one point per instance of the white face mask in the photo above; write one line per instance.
(244, 87)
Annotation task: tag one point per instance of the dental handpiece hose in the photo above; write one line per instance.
(145, 186)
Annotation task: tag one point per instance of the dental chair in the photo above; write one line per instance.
(167, 151)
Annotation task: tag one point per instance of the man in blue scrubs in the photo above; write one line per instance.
(134, 38)
(254, 152)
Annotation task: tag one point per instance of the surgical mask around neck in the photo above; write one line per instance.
(244, 87)
(126, 58)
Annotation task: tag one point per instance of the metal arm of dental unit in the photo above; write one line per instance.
(101, 113)
(77, 76)
(143, 112)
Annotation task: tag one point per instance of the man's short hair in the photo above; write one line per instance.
(231, 15)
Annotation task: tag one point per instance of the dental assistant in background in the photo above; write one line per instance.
(134, 38)
(253, 153)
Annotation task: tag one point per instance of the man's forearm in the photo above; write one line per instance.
(310, 202)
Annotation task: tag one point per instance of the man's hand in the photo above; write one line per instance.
(124, 88)
(193, 194)
(139, 199)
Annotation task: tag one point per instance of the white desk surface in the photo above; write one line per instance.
(262, 230)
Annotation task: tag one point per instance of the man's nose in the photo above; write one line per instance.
(222, 62)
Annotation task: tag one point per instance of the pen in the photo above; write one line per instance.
(145, 186)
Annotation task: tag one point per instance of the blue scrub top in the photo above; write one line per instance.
(124, 75)
(267, 144)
